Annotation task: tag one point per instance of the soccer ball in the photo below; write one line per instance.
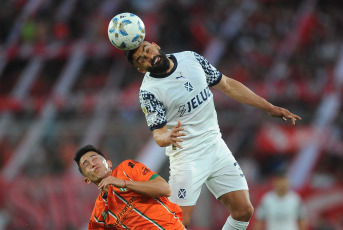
(126, 31)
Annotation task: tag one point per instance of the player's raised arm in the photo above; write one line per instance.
(243, 94)
(165, 137)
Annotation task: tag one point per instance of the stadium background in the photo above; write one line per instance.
(63, 85)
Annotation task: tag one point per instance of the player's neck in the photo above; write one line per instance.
(171, 66)
(281, 193)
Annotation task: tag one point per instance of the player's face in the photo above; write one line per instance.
(150, 58)
(281, 185)
(94, 167)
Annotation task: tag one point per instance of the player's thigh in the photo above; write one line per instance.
(226, 175)
(186, 184)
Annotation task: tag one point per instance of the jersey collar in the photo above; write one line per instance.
(171, 71)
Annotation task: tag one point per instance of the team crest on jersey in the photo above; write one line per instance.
(188, 86)
(182, 193)
(182, 110)
(145, 111)
(104, 214)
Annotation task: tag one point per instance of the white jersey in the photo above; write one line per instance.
(183, 94)
(281, 213)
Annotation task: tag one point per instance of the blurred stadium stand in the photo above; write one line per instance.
(63, 85)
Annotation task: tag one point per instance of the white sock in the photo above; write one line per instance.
(232, 224)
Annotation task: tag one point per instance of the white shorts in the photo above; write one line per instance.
(215, 166)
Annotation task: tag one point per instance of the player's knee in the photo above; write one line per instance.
(243, 214)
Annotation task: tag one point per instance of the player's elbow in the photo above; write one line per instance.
(168, 191)
(165, 191)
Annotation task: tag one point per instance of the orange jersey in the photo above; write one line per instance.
(126, 209)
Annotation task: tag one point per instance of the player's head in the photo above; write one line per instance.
(92, 164)
(148, 57)
(280, 182)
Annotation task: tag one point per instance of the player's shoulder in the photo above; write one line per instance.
(185, 54)
(128, 164)
(148, 83)
(270, 195)
(294, 195)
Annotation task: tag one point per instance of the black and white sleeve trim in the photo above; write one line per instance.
(213, 76)
(155, 113)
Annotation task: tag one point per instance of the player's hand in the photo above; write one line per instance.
(284, 114)
(111, 180)
(175, 135)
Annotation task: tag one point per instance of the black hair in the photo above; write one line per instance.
(82, 151)
(129, 54)
(280, 172)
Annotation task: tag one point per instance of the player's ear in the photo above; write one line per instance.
(87, 180)
(157, 46)
(141, 70)
(109, 163)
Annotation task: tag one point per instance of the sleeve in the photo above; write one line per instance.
(155, 113)
(261, 210)
(139, 172)
(301, 210)
(213, 76)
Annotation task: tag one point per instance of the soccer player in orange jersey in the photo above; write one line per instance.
(132, 196)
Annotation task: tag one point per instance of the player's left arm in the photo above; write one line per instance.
(141, 180)
(243, 94)
(302, 221)
(156, 187)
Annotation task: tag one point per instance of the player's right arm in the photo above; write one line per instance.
(165, 137)
(260, 215)
(155, 114)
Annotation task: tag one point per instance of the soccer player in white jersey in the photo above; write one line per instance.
(281, 208)
(178, 104)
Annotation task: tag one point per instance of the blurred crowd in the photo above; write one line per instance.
(62, 85)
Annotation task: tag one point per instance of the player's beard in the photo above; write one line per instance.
(162, 66)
